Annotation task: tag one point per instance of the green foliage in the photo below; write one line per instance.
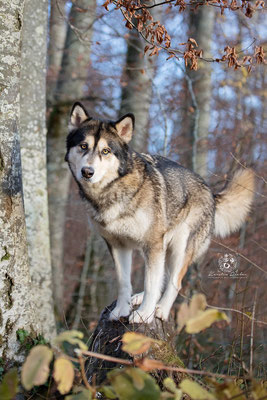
(133, 383)
(28, 341)
(195, 391)
(80, 393)
(9, 385)
(1, 368)
(6, 256)
(73, 337)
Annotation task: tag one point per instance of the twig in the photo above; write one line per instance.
(87, 385)
(242, 165)
(252, 336)
(230, 310)
(240, 255)
(165, 368)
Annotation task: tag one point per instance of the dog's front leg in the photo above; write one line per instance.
(123, 261)
(154, 275)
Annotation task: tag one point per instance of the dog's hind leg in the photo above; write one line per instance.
(178, 260)
(123, 262)
(154, 275)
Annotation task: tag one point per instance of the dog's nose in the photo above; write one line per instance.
(88, 172)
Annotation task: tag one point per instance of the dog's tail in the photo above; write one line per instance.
(233, 203)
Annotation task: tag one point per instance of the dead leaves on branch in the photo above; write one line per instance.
(138, 16)
(231, 57)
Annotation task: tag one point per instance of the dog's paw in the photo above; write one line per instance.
(137, 299)
(161, 313)
(119, 311)
(141, 317)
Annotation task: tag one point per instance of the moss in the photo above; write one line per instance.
(6, 256)
(167, 355)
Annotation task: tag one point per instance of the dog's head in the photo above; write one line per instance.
(97, 151)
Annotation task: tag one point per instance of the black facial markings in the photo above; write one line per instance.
(121, 151)
(97, 134)
(86, 153)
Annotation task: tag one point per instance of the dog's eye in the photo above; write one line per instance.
(84, 146)
(105, 151)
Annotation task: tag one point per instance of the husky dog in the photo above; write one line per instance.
(150, 203)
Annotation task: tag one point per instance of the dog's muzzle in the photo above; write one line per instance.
(88, 172)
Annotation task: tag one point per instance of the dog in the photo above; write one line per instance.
(151, 203)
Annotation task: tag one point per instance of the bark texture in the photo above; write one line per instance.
(200, 88)
(33, 155)
(17, 311)
(137, 86)
(70, 88)
(57, 37)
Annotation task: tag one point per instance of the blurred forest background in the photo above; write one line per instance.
(212, 120)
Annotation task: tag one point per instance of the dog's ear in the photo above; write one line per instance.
(77, 116)
(125, 127)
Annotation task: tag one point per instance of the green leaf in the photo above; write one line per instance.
(137, 377)
(80, 393)
(259, 390)
(9, 385)
(125, 386)
(136, 343)
(195, 391)
(35, 370)
(72, 337)
(169, 384)
(22, 335)
(63, 374)
(108, 392)
(203, 320)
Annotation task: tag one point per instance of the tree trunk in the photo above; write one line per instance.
(57, 37)
(137, 86)
(17, 310)
(106, 340)
(200, 88)
(33, 155)
(70, 88)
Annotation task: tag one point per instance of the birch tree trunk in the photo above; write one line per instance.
(137, 90)
(15, 290)
(33, 154)
(70, 88)
(199, 84)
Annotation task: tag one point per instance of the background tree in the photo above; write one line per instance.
(33, 154)
(69, 87)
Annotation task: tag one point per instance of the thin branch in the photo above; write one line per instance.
(240, 255)
(252, 336)
(85, 381)
(242, 165)
(230, 310)
(164, 368)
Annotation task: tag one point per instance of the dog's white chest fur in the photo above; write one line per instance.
(119, 221)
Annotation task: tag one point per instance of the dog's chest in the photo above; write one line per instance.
(122, 221)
